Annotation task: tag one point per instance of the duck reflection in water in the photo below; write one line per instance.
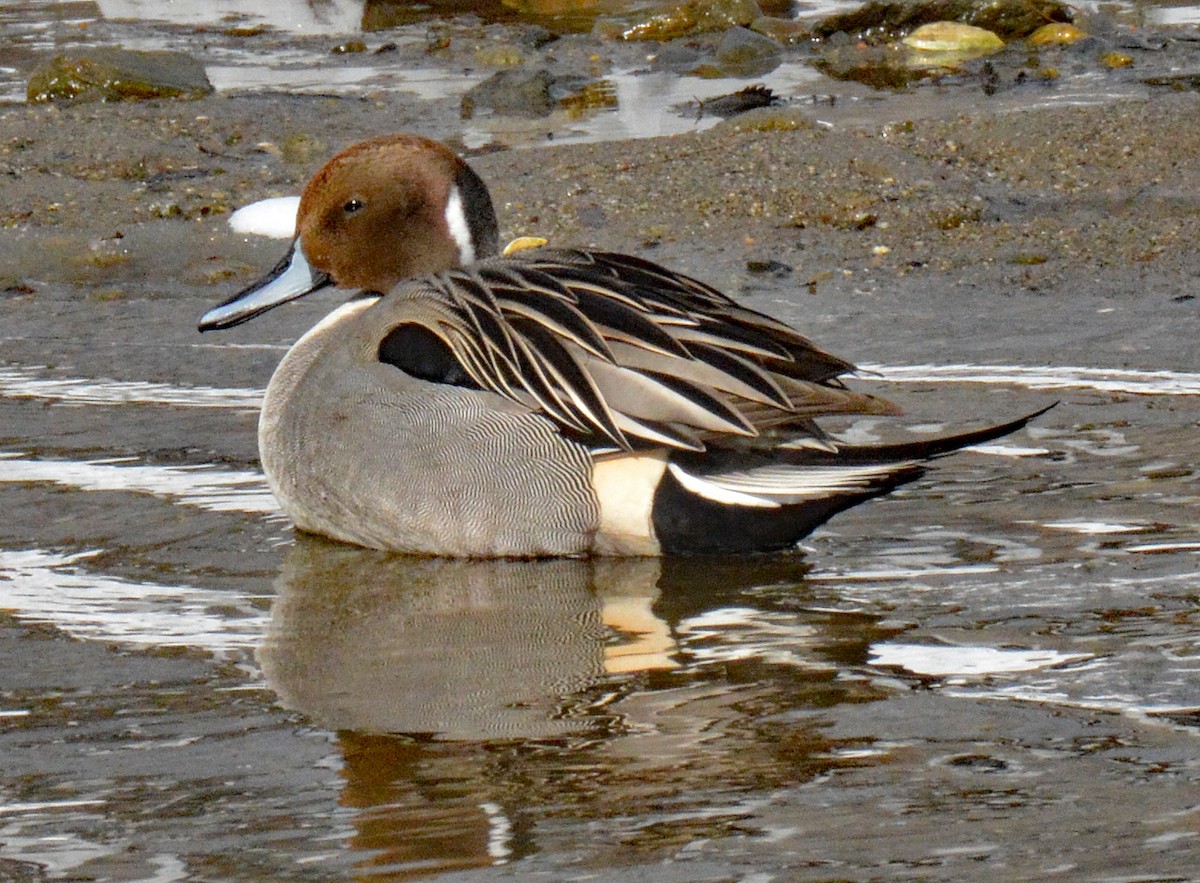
(474, 699)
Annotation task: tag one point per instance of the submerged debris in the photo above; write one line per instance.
(1186, 82)
(511, 92)
(783, 30)
(732, 104)
(880, 67)
(768, 265)
(590, 98)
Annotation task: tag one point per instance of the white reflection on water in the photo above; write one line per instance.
(1138, 675)
(1156, 548)
(729, 634)
(429, 84)
(1097, 528)
(1125, 380)
(49, 587)
(29, 383)
(945, 661)
(205, 487)
(25, 383)
(35, 832)
(1136, 669)
(60, 853)
(901, 574)
(1186, 14)
(296, 16)
(647, 105)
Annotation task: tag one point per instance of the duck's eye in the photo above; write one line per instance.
(353, 206)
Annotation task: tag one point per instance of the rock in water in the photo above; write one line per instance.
(113, 74)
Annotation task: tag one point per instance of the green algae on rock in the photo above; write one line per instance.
(112, 74)
(694, 17)
(929, 51)
(1056, 33)
(887, 19)
(880, 67)
(784, 30)
(955, 37)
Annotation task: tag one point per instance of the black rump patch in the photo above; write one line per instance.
(688, 524)
(419, 352)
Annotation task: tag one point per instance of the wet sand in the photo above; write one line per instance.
(190, 694)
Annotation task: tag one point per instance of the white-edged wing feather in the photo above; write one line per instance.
(623, 353)
(781, 484)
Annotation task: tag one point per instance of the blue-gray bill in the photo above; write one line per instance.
(293, 277)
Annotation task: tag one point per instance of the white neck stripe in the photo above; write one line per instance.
(456, 220)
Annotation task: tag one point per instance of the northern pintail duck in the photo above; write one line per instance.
(547, 403)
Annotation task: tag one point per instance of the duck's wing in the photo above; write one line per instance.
(619, 351)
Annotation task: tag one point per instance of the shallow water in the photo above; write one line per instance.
(286, 46)
(992, 674)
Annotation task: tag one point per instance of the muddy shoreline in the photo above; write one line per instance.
(1098, 200)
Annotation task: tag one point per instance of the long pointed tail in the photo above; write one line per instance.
(930, 448)
(739, 501)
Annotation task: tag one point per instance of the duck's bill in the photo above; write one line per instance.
(292, 277)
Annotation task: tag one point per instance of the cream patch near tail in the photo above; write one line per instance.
(625, 487)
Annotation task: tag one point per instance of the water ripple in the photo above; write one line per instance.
(24, 383)
(1127, 380)
(42, 586)
(205, 487)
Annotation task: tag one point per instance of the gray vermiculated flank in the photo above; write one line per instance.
(362, 452)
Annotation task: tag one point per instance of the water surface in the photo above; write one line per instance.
(942, 682)
(992, 674)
